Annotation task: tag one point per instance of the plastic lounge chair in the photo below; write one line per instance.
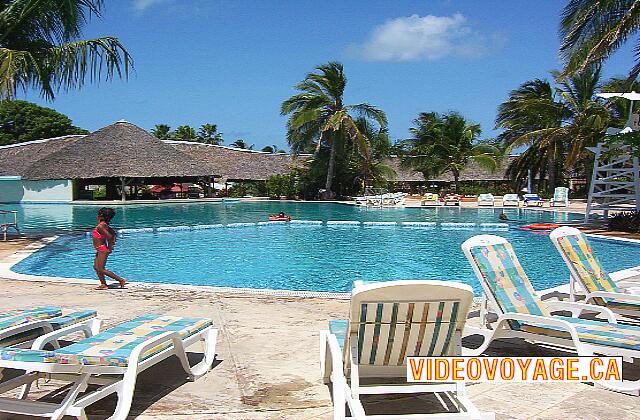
(389, 321)
(430, 200)
(560, 197)
(521, 313)
(486, 200)
(23, 325)
(511, 200)
(533, 200)
(111, 360)
(452, 200)
(586, 270)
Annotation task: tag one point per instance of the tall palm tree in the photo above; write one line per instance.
(554, 124)
(318, 117)
(592, 30)
(162, 132)
(442, 143)
(40, 47)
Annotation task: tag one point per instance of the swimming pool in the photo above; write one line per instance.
(316, 257)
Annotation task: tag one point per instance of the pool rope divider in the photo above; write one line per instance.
(330, 223)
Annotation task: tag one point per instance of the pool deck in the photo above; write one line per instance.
(268, 358)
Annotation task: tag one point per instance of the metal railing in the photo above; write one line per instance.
(6, 224)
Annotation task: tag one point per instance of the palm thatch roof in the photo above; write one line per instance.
(15, 159)
(241, 164)
(118, 150)
(472, 172)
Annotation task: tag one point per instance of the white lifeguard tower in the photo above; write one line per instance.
(615, 182)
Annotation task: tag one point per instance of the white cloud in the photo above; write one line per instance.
(142, 5)
(422, 37)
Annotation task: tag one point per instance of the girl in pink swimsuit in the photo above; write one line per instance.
(104, 239)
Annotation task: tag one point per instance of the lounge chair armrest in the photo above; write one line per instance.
(613, 295)
(544, 320)
(90, 327)
(17, 329)
(576, 308)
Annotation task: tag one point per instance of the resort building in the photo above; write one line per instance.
(123, 161)
(119, 160)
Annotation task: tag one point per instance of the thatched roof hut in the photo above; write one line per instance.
(472, 172)
(16, 159)
(118, 150)
(240, 164)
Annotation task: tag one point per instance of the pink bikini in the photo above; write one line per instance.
(98, 235)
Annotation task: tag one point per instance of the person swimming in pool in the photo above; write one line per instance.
(503, 216)
(281, 214)
(104, 239)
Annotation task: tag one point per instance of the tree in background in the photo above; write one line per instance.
(22, 121)
(555, 124)
(592, 30)
(370, 170)
(446, 143)
(40, 47)
(241, 144)
(208, 133)
(319, 119)
(162, 132)
(184, 133)
(272, 149)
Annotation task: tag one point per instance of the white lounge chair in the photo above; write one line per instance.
(18, 326)
(452, 200)
(389, 321)
(511, 200)
(430, 200)
(560, 197)
(486, 200)
(521, 313)
(111, 360)
(587, 272)
(533, 200)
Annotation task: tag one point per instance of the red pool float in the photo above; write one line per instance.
(540, 226)
(275, 218)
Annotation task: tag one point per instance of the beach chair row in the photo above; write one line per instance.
(391, 320)
(109, 361)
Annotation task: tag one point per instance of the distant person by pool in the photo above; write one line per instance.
(503, 216)
(104, 239)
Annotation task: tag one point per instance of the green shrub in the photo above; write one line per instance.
(625, 221)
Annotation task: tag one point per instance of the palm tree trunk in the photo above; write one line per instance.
(456, 180)
(331, 168)
(551, 167)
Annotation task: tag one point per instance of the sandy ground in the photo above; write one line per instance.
(268, 359)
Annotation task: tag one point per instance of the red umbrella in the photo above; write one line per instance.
(158, 188)
(179, 188)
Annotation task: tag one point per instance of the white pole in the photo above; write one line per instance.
(529, 183)
(123, 195)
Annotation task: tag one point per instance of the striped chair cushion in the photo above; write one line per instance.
(114, 346)
(596, 332)
(56, 324)
(388, 332)
(578, 251)
(507, 281)
(16, 317)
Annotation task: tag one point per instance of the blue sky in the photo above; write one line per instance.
(232, 63)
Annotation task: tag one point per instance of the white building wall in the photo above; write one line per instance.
(47, 191)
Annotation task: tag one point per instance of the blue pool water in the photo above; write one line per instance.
(301, 257)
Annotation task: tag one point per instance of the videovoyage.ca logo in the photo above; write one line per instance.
(514, 369)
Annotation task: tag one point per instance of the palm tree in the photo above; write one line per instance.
(442, 143)
(40, 47)
(318, 117)
(162, 132)
(592, 30)
(554, 124)
(185, 133)
(370, 169)
(241, 144)
(208, 133)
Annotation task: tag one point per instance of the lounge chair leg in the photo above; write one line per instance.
(79, 386)
(125, 394)
(210, 338)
